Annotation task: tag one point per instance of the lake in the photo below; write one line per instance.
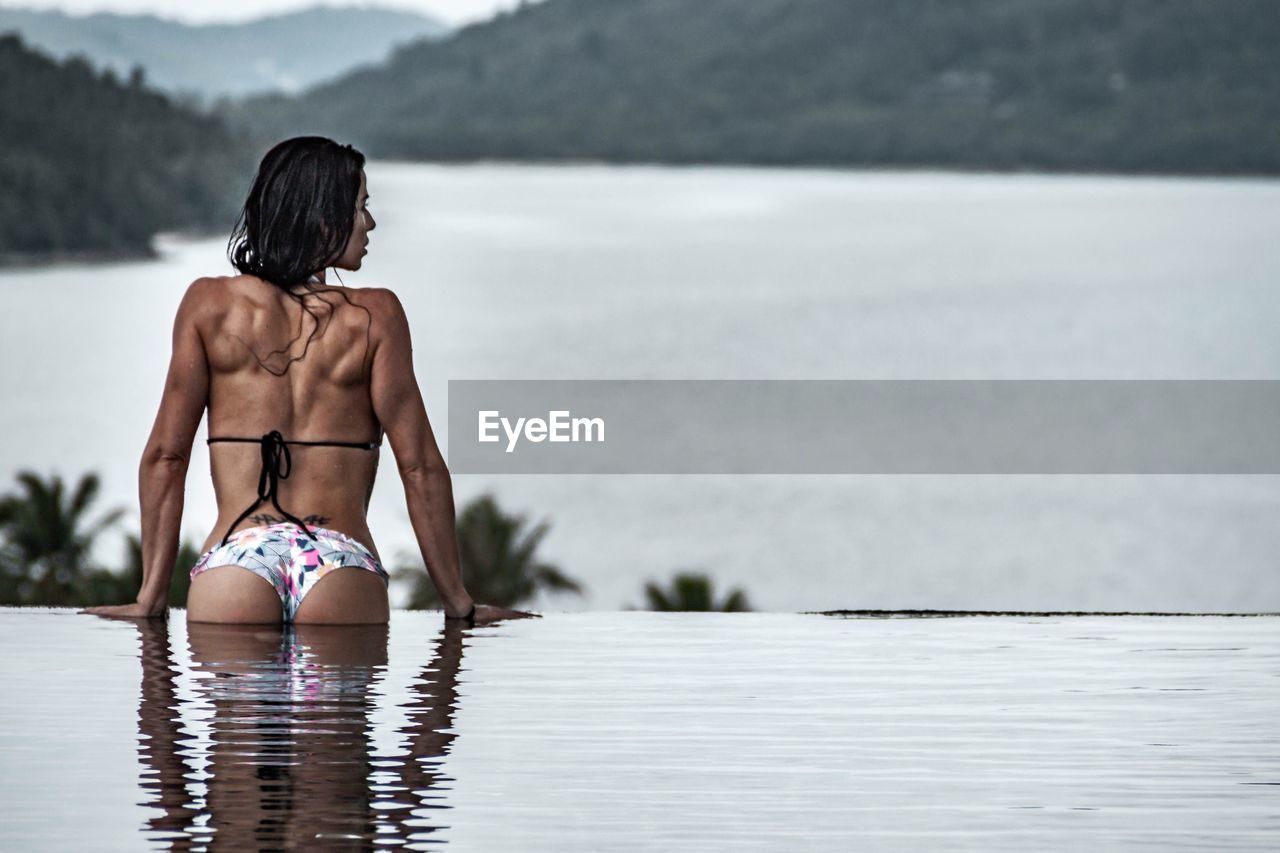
(647, 272)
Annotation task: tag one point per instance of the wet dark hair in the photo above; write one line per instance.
(297, 218)
(300, 210)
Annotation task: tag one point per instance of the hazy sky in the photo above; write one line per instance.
(205, 11)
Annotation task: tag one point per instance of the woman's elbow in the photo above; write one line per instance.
(427, 470)
(155, 456)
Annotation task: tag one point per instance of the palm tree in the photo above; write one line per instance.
(46, 543)
(499, 562)
(690, 590)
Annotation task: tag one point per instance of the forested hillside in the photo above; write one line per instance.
(92, 163)
(1114, 85)
(94, 166)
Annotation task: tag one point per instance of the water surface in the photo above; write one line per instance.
(644, 731)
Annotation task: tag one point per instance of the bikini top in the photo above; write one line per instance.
(276, 465)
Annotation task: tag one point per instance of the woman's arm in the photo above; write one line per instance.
(162, 474)
(428, 489)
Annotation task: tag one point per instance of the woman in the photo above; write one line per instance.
(295, 373)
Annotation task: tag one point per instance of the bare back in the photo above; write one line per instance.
(260, 380)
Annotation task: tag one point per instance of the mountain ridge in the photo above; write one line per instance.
(204, 61)
(1156, 86)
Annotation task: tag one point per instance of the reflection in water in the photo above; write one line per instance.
(291, 760)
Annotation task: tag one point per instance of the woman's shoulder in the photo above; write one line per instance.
(383, 301)
(219, 285)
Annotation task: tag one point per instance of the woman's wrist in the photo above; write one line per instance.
(151, 600)
(469, 617)
(462, 608)
(153, 607)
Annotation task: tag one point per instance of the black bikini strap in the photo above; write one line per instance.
(275, 451)
(362, 445)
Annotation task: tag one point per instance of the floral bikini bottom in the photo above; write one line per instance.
(289, 559)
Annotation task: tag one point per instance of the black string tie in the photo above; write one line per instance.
(277, 463)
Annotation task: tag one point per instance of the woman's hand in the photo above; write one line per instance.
(136, 610)
(486, 613)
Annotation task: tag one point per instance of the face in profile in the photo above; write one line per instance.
(358, 243)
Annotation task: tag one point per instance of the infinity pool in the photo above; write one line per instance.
(643, 731)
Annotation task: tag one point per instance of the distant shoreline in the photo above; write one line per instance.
(35, 260)
(878, 168)
(11, 261)
(942, 614)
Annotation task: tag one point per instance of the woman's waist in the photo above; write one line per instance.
(352, 525)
